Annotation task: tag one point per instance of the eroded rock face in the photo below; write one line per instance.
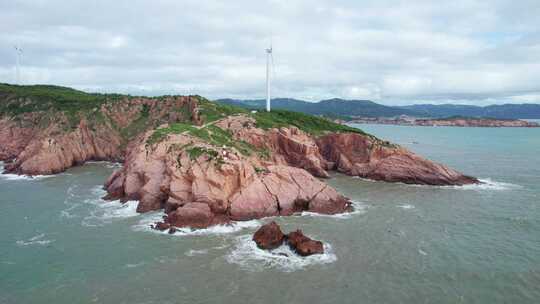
(219, 183)
(360, 155)
(350, 153)
(303, 245)
(47, 143)
(269, 236)
(288, 146)
(216, 186)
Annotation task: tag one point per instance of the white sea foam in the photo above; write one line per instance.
(67, 213)
(358, 208)
(108, 164)
(196, 252)
(153, 217)
(107, 211)
(406, 206)
(134, 265)
(35, 240)
(485, 184)
(488, 184)
(251, 258)
(15, 177)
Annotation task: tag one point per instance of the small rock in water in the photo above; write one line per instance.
(269, 236)
(303, 245)
(161, 226)
(172, 230)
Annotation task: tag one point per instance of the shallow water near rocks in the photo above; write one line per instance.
(61, 243)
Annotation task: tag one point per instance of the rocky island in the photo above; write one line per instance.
(204, 163)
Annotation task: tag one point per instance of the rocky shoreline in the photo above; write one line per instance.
(449, 122)
(206, 165)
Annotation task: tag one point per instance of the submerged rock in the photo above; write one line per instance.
(303, 245)
(269, 236)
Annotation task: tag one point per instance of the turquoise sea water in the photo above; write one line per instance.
(404, 244)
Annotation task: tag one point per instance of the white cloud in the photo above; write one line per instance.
(467, 51)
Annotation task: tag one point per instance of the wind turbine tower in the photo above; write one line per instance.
(18, 53)
(268, 58)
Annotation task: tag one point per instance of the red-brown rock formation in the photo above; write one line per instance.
(269, 236)
(216, 186)
(197, 180)
(360, 155)
(303, 245)
(350, 153)
(48, 142)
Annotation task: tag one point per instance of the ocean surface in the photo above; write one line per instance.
(60, 243)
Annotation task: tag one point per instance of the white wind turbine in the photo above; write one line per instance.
(18, 54)
(269, 57)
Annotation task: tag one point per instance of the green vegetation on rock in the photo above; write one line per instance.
(19, 99)
(212, 111)
(69, 106)
(307, 123)
(210, 134)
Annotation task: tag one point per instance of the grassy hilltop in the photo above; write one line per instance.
(16, 100)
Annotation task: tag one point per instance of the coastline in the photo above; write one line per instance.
(447, 122)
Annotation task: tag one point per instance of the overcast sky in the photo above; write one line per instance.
(399, 52)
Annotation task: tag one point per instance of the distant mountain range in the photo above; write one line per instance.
(341, 108)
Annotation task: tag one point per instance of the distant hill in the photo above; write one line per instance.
(330, 108)
(508, 111)
(345, 109)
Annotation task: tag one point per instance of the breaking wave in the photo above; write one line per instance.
(192, 252)
(488, 184)
(251, 258)
(108, 164)
(151, 218)
(406, 206)
(358, 208)
(35, 240)
(106, 211)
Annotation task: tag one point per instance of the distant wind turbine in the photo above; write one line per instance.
(269, 57)
(18, 53)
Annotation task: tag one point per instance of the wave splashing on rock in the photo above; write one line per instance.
(153, 217)
(105, 212)
(251, 258)
(358, 208)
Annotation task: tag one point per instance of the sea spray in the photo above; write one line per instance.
(249, 257)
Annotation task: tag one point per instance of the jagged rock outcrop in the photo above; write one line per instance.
(200, 184)
(354, 154)
(360, 155)
(269, 236)
(289, 146)
(303, 245)
(50, 142)
(202, 173)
